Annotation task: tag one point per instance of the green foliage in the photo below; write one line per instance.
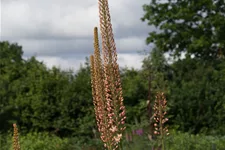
(196, 96)
(52, 100)
(85, 110)
(37, 141)
(156, 69)
(10, 63)
(135, 93)
(46, 141)
(185, 141)
(5, 141)
(176, 141)
(41, 99)
(195, 27)
(195, 84)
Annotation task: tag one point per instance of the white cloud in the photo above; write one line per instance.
(131, 44)
(56, 47)
(67, 18)
(62, 63)
(124, 60)
(53, 28)
(33, 19)
(130, 60)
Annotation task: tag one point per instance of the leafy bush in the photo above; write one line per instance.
(46, 141)
(185, 141)
(5, 141)
(176, 141)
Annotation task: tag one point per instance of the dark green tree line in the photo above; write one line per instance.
(195, 87)
(42, 99)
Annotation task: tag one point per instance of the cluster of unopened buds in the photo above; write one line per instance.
(16, 145)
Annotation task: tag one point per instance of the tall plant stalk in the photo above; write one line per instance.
(16, 145)
(106, 84)
(159, 117)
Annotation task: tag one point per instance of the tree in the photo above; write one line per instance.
(11, 63)
(196, 96)
(155, 66)
(43, 99)
(194, 27)
(135, 94)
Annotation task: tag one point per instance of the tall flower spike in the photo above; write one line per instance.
(111, 68)
(98, 90)
(16, 145)
(106, 84)
(108, 43)
(159, 117)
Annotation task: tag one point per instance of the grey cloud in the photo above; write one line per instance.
(44, 19)
(63, 29)
(56, 47)
(77, 46)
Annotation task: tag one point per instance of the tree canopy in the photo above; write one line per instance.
(194, 27)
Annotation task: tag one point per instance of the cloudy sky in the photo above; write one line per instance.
(60, 32)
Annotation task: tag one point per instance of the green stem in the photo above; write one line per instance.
(121, 145)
